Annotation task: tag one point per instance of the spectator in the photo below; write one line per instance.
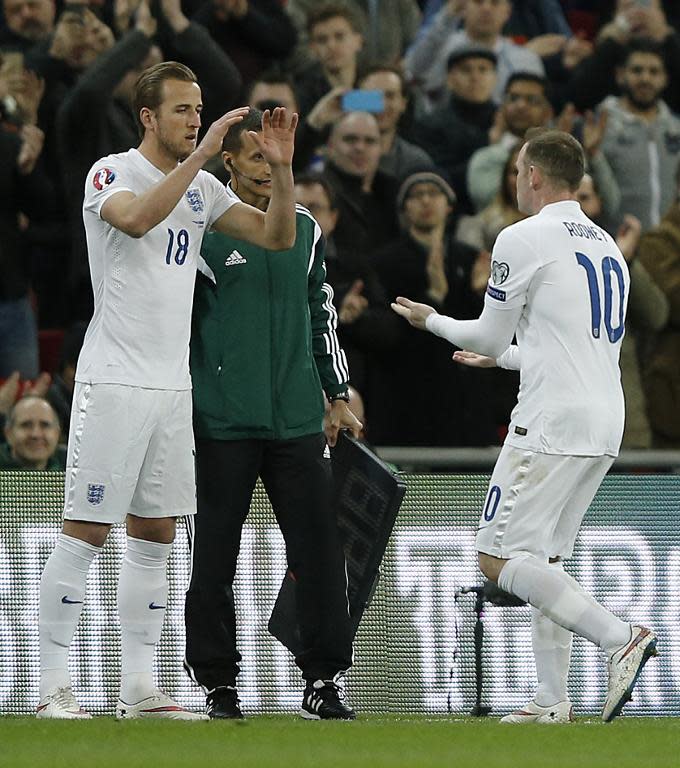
(525, 106)
(366, 325)
(443, 405)
(480, 231)
(78, 38)
(335, 40)
(388, 26)
(399, 157)
(25, 195)
(483, 22)
(32, 435)
(366, 195)
(528, 20)
(594, 78)
(27, 22)
(641, 142)
(253, 33)
(12, 388)
(275, 89)
(659, 253)
(464, 122)
(272, 89)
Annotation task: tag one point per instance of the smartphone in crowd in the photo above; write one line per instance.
(363, 101)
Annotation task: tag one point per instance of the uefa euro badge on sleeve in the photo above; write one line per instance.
(367, 496)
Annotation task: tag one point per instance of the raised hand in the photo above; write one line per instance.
(327, 109)
(593, 131)
(628, 236)
(277, 140)
(547, 45)
(415, 313)
(9, 391)
(212, 141)
(565, 120)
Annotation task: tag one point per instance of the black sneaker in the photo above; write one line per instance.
(223, 704)
(321, 701)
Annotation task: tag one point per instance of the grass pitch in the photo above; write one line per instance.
(373, 741)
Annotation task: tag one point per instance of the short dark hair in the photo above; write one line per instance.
(310, 179)
(149, 86)
(251, 122)
(530, 77)
(643, 45)
(270, 77)
(377, 68)
(558, 154)
(332, 10)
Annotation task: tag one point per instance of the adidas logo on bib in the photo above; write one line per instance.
(234, 258)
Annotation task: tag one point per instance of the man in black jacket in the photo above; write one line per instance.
(463, 124)
(366, 196)
(445, 406)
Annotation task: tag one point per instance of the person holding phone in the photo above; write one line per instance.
(383, 93)
(335, 41)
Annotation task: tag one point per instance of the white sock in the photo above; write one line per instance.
(560, 598)
(143, 585)
(62, 593)
(552, 652)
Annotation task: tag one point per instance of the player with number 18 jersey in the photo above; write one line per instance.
(143, 287)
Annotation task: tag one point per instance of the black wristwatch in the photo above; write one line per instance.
(339, 396)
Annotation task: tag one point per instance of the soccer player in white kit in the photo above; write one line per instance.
(560, 283)
(130, 454)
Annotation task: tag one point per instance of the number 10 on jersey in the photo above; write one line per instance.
(611, 273)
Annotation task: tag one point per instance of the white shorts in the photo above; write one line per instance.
(536, 502)
(130, 450)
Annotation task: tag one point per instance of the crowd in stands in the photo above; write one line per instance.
(411, 184)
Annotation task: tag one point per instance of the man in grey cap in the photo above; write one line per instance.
(465, 121)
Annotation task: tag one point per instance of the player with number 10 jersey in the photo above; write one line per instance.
(572, 281)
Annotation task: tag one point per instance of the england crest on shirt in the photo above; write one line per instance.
(95, 493)
(195, 200)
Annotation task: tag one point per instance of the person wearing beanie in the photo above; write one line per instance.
(445, 405)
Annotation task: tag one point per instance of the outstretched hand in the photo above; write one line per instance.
(277, 139)
(415, 313)
(473, 360)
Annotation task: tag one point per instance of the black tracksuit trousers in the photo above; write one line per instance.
(298, 481)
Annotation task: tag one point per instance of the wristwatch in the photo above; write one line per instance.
(339, 396)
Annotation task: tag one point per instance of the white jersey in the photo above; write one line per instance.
(143, 287)
(573, 282)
